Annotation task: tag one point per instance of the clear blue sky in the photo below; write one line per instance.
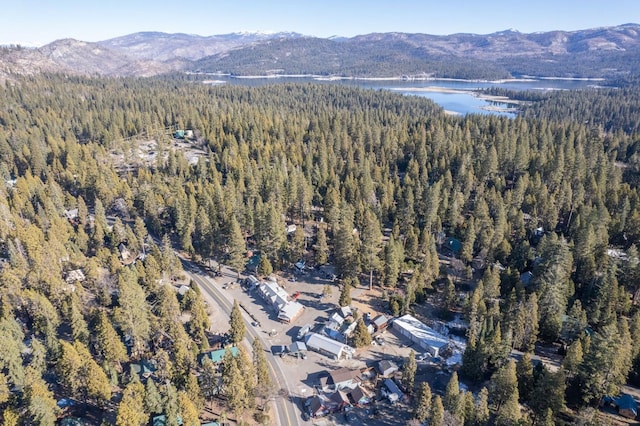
(37, 22)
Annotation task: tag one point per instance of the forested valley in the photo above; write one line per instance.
(385, 178)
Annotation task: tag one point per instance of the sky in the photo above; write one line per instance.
(38, 22)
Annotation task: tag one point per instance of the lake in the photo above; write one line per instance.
(455, 96)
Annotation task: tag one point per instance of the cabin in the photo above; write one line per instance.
(380, 322)
(359, 396)
(386, 368)
(345, 378)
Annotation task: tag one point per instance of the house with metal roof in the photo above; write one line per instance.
(329, 347)
(217, 355)
(421, 334)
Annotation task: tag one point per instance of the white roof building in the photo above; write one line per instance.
(274, 294)
(420, 333)
(290, 311)
(328, 346)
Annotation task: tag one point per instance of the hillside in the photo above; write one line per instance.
(602, 52)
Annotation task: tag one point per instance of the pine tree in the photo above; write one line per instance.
(264, 267)
(130, 410)
(107, 342)
(189, 413)
(409, 369)
(451, 400)
(322, 248)
(263, 378)
(482, 408)
(422, 403)
(41, 406)
(238, 329)
(509, 412)
(152, 398)
(436, 417)
(233, 384)
(345, 293)
(524, 372)
(504, 383)
(361, 337)
(236, 245)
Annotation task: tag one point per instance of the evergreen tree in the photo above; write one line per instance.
(509, 412)
(236, 246)
(409, 369)
(452, 400)
(188, 411)
(263, 378)
(322, 248)
(237, 329)
(152, 398)
(524, 372)
(504, 384)
(264, 266)
(360, 337)
(436, 417)
(129, 409)
(422, 403)
(482, 408)
(345, 293)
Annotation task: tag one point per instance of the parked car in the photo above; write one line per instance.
(280, 350)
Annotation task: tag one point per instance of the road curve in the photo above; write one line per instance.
(285, 409)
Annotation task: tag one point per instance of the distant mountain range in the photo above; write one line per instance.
(600, 52)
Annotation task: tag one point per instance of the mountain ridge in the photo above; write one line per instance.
(601, 51)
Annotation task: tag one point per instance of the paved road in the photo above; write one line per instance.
(286, 411)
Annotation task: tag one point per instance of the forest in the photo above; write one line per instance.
(552, 193)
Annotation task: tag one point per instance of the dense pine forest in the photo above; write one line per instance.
(386, 179)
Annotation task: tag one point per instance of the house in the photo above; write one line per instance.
(392, 391)
(338, 400)
(359, 396)
(346, 312)
(626, 405)
(329, 347)
(143, 369)
(125, 254)
(344, 378)
(217, 355)
(290, 311)
(453, 245)
(287, 310)
(337, 319)
(386, 368)
(421, 334)
(316, 406)
(381, 322)
(274, 294)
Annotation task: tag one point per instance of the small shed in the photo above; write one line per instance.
(386, 367)
(381, 322)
